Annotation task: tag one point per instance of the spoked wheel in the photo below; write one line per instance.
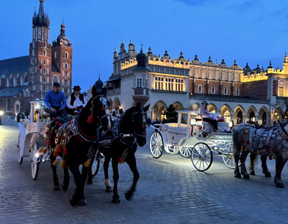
(228, 160)
(201, 156)
(156, 145)
(20, 157)
(185, 151)
(95, 166)
(34, 161)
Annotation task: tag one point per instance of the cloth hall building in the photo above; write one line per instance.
(26, 78)
(240, 95)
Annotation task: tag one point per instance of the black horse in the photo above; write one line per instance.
(76, 142)
(126, 132)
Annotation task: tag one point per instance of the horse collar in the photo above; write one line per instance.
(77, 131)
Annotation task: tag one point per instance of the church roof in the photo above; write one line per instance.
(11, 91)
(14, 65)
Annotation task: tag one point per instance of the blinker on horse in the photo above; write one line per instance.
(77, 143)
(272, 142)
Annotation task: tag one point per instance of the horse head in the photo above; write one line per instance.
(139, 120)
(100, 113)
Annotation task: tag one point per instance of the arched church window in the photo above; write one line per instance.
(66, 55)
(213, 89)
(44, 52)
(199, 88)
(237, 92)
(55, 79)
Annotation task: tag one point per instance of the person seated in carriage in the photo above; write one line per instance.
(55, 102)
(206, 115)
(75, 101)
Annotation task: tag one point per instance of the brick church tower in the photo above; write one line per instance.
(48, 64)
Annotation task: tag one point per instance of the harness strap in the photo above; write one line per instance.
(283, 129)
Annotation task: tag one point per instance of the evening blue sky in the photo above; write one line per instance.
(253, 31)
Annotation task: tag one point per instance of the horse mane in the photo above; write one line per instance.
(125, 125)
(88, 129)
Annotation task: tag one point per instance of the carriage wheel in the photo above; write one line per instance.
(228, 160)
(185, 151)
(156, 145)
(20, 157)
(95, 166)
(201, 156)
(34, 162)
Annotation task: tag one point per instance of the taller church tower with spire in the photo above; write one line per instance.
(48, 64)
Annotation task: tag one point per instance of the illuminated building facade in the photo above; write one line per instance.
(240, 95)
(29, 77)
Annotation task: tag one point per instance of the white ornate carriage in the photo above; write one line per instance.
(31, 140)
(194, 138)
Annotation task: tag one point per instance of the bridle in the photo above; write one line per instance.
(76, 124)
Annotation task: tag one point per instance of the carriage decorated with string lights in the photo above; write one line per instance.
(194, 138)
(32, 137)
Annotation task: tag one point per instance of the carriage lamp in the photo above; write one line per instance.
(1, 112)
(37, 155)
(37, 106)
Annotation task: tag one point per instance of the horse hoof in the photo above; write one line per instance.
(280, 185)
(267, 173)
(89, 181)
(246, 176)
(237, 175)
(278, 182)
(128, 195)
(56, 188)
(108, 189)
(116, 200)
(64, 187)
(81, 202)
(252, 172)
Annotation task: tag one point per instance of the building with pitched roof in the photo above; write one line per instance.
(27, 78)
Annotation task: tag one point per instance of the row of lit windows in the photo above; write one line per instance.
(169, 84)
(168, 70)
(225, 90)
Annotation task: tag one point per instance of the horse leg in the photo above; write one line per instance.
(252, 163)
(279, 167)
(115, 198)
(106, 174)
(243, 166)
(236, 152)
(54, 170)
(66, 181)
(78, 197)
(264, 166)
(89, 172)
(131, 160)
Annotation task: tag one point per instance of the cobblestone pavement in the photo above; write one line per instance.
(170, 190)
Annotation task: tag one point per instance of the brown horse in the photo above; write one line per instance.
(76, 142)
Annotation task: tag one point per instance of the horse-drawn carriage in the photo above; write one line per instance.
(31, 141)
(193, 137)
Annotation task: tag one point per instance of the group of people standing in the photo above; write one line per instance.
(57, 105)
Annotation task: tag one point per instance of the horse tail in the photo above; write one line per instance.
(236, 146)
